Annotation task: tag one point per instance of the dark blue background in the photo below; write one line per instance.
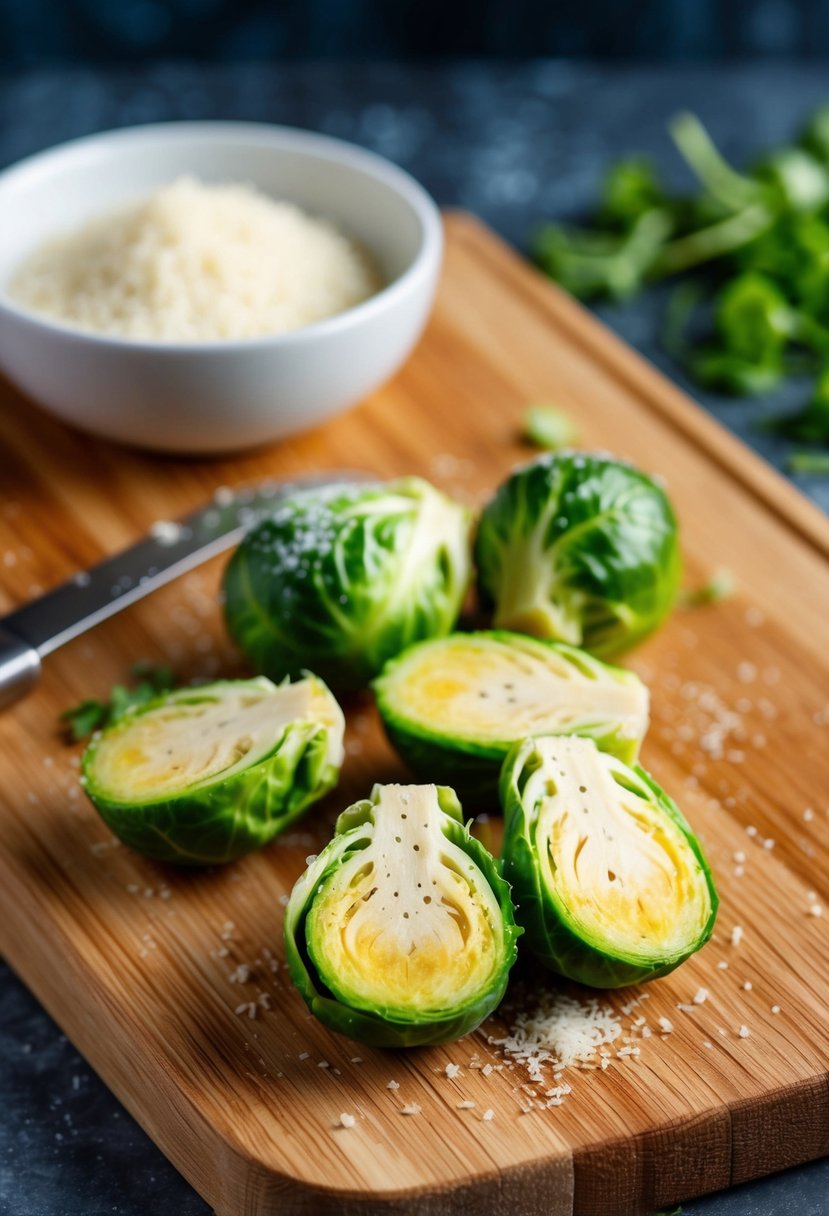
(38, 31)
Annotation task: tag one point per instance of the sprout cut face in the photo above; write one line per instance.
(339, 580)
(402, 932)
(455, 706)
(579, 548)
(611, 884)
(205, 774)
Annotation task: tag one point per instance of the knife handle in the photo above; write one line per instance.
(19, 667)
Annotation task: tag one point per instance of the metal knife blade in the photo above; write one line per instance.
(172, 548)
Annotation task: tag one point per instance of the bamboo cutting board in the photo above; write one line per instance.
(172, 984)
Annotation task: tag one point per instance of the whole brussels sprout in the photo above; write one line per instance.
(453, 707)
(338, 580)
(204, 775)
(401, 932)
(580, 548)
(610, 883)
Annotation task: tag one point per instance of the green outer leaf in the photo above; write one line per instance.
(337, 581)
(473, 768)
(580, 548)
(384, 1028)
(551, 934)
(222, 819)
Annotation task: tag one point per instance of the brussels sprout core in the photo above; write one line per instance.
(408, 921)
(455, 706)
(612, 884)
(203, 775)
(401, 932)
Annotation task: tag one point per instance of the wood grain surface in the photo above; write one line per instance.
(139, 963)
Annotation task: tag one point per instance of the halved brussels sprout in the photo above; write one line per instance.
(455, 706)
(339, 580)
(401, 932)
(609, 881)
(579, 548)
(204, 775)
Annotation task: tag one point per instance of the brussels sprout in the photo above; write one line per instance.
(455, 706)
(339, 580)
(609, 881)
(401, 932)
(579, 548)
(204, 775)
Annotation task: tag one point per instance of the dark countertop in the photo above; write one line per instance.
(513, 143)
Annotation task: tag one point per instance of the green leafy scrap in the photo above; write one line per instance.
(82, 720)
(758, 241)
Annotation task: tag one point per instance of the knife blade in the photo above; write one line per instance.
(171, 548)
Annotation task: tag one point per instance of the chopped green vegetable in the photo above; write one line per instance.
(337, 581)
(809, 462)
(809, 425)
(610, 883)
(579, 548)
(90, 715)
(402, 931)
(550, 428)
(767, 308)
(455, 706)
(719, 587)
(203, 775)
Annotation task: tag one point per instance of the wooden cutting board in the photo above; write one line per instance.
(145, 967)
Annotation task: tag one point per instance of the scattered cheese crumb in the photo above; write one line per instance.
(347, 1120)
(736, 935)
(739, 856)
(452, 1070)
(488, 1115)
(775, 1008)
(166, 532)
(768, 843)
(323, 1064)
(722, 965)
(744, 1032)
(393, 1085)
(414, 1109)
(356, 1059)
(467, 1105)
(808, 814)
(486, 1070)
(747, 986)
(815, 910)
(665, 1025)
(559, 1031)
(700, 996)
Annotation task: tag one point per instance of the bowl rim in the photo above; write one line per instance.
(326, 147)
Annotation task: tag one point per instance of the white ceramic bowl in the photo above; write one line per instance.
(217, 396)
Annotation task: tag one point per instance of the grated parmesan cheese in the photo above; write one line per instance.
(196, 263)
(559, 1031)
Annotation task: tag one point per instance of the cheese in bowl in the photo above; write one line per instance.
(196, 262)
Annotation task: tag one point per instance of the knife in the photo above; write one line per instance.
(171, 548)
